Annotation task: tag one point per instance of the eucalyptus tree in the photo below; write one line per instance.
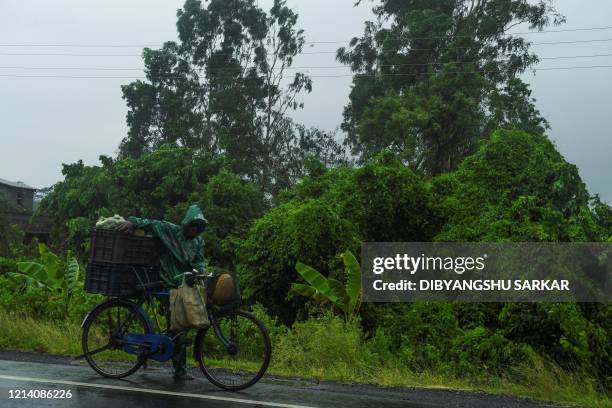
(225, 87)
(432, 77)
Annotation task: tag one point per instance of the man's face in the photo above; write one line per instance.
(192, 231)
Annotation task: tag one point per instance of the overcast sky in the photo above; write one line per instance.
(45, 122)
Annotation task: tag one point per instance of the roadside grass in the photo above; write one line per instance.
(19, 332)
(340, 355)
(546, 384)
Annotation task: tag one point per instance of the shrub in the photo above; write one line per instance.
(324, 347)
(311, 232)
(39, 303)
(481, 350)
(563, 332)
(516, 187)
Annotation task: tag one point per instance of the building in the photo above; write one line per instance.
(20, 209)
(18, 194)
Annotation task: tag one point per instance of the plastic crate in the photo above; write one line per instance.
(118, 280)
(115, 247)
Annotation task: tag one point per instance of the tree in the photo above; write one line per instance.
(330, 211)
(157, 185)
(438, 76)
(517, 187)
(382, 198)
(223, 89)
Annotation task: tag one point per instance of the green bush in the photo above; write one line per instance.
(384, 199)
(564, 332)
(480, 350)
(311, 232)
(516, 187)
(22, 299)
(324, 346)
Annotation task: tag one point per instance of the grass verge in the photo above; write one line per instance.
(337, 359)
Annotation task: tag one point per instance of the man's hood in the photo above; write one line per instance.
(193, 213)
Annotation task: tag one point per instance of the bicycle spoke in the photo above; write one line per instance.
(96, 351)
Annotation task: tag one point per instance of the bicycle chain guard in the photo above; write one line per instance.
(155, 346)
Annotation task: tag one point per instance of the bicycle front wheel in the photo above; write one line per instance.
(103, 338)
(234, 353)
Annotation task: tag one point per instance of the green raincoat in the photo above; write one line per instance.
(181, 254)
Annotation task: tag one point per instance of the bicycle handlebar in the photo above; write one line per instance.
(193, 276)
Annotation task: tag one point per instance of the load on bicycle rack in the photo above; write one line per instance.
(121, 333)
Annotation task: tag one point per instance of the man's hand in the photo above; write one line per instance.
(126, 227)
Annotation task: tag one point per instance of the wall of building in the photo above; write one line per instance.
(20, 197)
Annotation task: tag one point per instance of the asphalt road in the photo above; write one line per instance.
(154, 387)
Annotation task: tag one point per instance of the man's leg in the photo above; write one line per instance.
(179, 358)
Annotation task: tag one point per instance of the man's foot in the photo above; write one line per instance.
(183, 376)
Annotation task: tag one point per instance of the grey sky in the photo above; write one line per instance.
(45, 122)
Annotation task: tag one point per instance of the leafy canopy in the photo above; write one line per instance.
(434, 77)
(517, 187)
(223, 89)
(157, 185)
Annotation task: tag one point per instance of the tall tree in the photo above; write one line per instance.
(223, 89)
(432, 77)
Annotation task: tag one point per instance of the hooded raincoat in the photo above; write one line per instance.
(181, 254)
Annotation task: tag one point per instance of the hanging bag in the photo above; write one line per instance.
(188, 308)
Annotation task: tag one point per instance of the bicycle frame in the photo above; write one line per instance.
(154, 338)
(149, 297)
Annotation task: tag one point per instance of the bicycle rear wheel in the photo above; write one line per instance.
(104, 332)
(234, 353)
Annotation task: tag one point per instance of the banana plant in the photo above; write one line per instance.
(50, 271)
(343, 298)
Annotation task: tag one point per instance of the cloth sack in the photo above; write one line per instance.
(188, 308)
(225, 290)
(114, 222)
(110, 222)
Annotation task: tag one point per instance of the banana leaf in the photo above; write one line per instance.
(303, 290)
(71, 276)
(339, 292)
(353, 280)
(319, 282)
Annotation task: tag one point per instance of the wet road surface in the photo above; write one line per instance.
(154, 387)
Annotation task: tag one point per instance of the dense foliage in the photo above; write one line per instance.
(157, 185)
(434, 77)
(222, 89)
(516, 187)
(451, 148)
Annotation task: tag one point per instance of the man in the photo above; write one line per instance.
(183, 252)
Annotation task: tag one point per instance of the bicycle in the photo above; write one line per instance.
(119, 337)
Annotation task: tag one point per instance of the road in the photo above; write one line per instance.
(154, 387)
